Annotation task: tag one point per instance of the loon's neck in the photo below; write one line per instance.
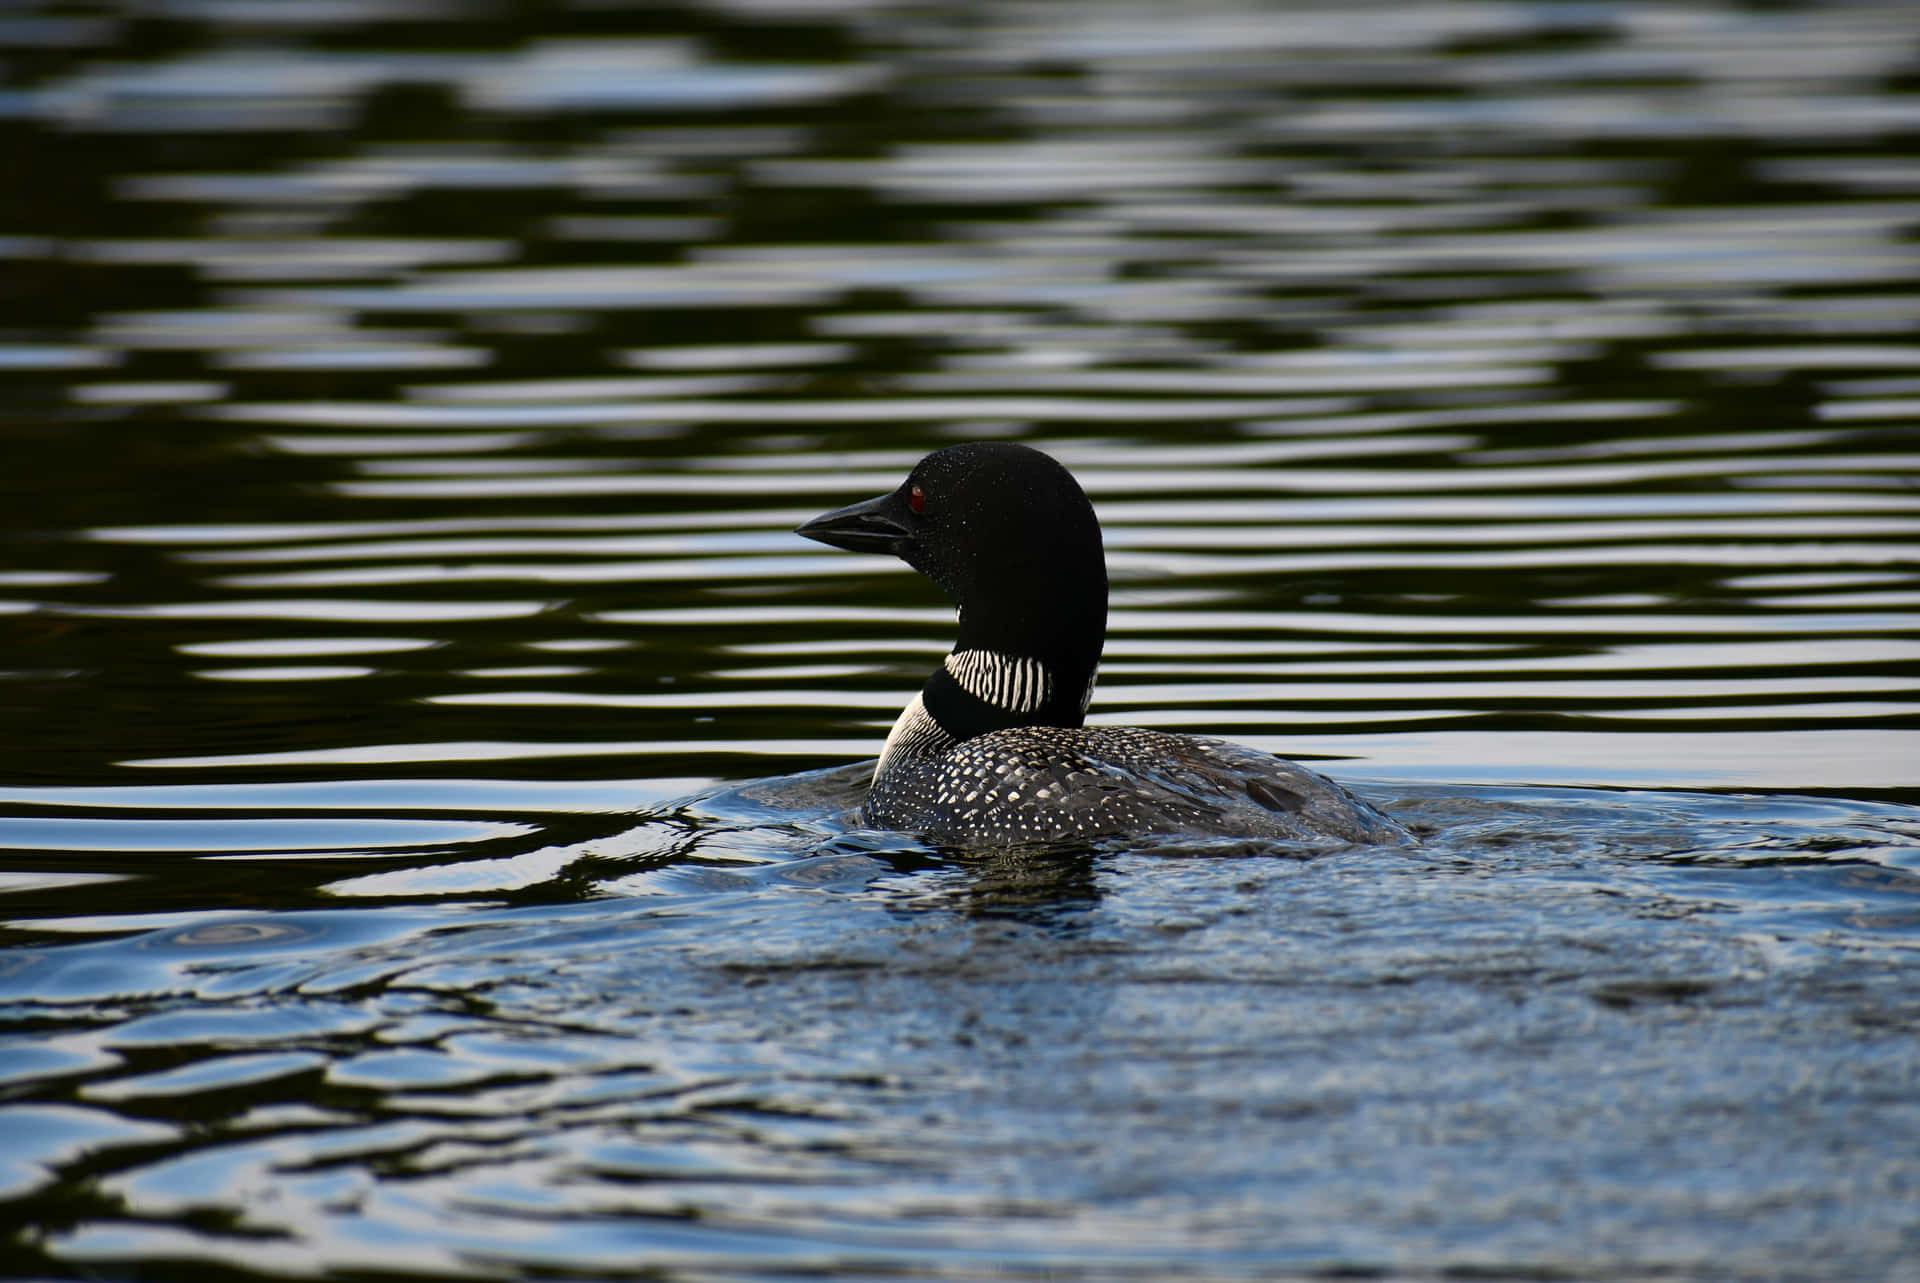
(977, 691)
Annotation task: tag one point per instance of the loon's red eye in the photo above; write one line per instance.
(917, 499)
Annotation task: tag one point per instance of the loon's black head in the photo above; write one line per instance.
(1009, 535)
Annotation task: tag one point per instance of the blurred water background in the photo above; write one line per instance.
(1510, 407)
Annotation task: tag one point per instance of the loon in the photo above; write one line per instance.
(993, 749)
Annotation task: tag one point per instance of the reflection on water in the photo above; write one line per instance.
(1511, 405)
(765, 1051)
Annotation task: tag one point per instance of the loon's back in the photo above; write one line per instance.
(1048, 783)
(993, 748)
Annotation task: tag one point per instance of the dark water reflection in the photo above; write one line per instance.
(1511, 405)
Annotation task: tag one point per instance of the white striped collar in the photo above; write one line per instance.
(1011, 682)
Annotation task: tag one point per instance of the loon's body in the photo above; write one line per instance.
(993, 748)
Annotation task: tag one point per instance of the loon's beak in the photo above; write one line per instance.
(873, 525)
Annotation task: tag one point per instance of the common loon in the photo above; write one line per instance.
(992, 749)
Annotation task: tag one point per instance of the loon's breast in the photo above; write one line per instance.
(1049, 784)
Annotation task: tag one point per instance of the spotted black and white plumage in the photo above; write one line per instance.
(1047, 784)
(992, 750)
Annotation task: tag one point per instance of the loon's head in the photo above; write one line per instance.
(1009, 535)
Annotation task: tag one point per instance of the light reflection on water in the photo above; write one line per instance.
(1481, 401)
(824, 1054)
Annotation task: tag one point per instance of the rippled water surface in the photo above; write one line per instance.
(429, 759)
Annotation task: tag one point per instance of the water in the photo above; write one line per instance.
(428, 756)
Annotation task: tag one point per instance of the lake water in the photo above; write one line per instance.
(429, 755)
